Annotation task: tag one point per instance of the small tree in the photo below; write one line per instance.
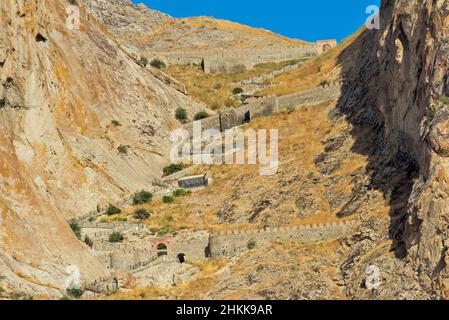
(168, 199)
(173, 168)
(157, 63)
(237, 91)
(251, 244)
(201, 115)
(116, 237)
(142, 197)
(144, 61)
(76, 228)
(75, 292)
(141, 214)
(113, 210)
(115, 123)
(181, 114)
(123, 149)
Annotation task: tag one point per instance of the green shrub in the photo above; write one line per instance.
(173, 168)
(144, 61)
(325, 83)
(113, 210)
(141, 214)
(181, 192)
(123, 149)
(162, 232)
(75, 292)
(116, 123)
(168, 199)
(181, 114)
(215, 107)
(92, 219)
(444, 100)
(116, 237)
(118, 219)
(157, 63)
(76, 228)
(251, 244)
(237, 91)
(142, 197)
(201, 115)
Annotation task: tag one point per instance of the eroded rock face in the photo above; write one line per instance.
(68, 100)
(439, 133)
(414, 79)
(404, 76)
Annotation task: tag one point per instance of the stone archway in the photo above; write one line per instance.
(247, 117)
(162, 246)
(181, 257)
(325, 45)
(115, 284)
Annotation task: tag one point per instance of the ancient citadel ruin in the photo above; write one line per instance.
(152, 251)
(231, 60)
(265, 106)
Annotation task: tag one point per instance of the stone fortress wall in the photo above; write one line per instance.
(197, 246)
(230, 60)
(231, 244)
(265, 106)
(135, 256)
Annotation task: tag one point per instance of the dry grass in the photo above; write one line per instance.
(198, 210)
(263, 36)
(216, 90)
(192, 290)
(309, 75)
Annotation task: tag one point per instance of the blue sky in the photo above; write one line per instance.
(309, 20)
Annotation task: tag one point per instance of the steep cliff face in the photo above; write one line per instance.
(398, 86)
(414, 79)
(68, 100)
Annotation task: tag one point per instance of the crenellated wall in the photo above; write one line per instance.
(233, 243)
(231, 60)
(265, 106)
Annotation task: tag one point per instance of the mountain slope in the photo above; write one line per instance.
(69, 100)
(145, 31)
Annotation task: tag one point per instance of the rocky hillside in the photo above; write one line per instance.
(82, 124)
(383, 162)
(406, 77)
(145, 31)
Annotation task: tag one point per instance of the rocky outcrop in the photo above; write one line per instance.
(396, 85)
(68, 100)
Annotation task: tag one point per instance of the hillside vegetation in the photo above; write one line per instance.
(310, 75)
(215, 90)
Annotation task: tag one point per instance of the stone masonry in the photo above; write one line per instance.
(232, 60)
(265, 106)
(233, 243)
